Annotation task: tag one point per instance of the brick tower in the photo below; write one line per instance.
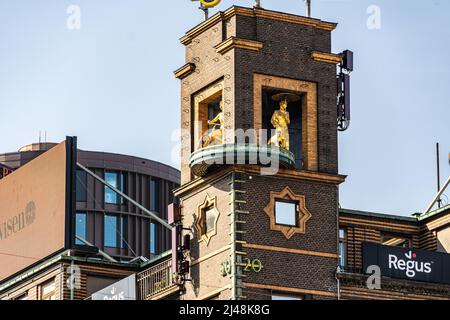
(258, 233)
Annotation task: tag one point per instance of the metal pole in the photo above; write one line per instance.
(446, 184)
(257, 4)
(438, 174)
(148, 212)
(205, 11)
(308, 8)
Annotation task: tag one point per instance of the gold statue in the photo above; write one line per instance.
(215, 137)
(281, 120)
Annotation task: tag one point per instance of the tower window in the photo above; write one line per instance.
(208, 215)
(210, 219)
(295, 127)
(286, 213)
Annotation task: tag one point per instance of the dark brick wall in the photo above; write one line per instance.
(293, 271)
(289, 269)
(321, 201)
(287, 53)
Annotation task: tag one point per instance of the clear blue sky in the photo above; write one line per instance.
(111, 84)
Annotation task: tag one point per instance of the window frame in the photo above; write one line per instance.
(296, 214)
(81, 197)
(123, 232)
(115, 237)
(108, 189)
(78, 242)
(343, 244)
(51, 294)
(154, 194)
(152, 236)
(119, 184)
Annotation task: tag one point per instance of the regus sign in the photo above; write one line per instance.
(408, 263)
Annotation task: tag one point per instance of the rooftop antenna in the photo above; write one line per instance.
(308, 8)
(437, 198)
(205, 10)
(438, 175)
(39, 136)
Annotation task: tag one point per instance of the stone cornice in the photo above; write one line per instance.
(232, 43)
(259, 13)
(326, 57)
(254, 169)
(184, 71)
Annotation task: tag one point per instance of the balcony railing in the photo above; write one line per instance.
(155, 281)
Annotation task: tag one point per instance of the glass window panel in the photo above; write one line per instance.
(123, 231)
(342, 255)
(154, 195)
(152, 239)
(80, 227)
(122, 186)
(285, 213)
(110, 233)
(210, 216)
(285, 297)
(342, 249)
(110, 195)
(81, 185)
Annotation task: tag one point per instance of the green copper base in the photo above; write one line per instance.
(206, 159)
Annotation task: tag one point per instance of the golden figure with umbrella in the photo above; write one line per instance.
(281, 120)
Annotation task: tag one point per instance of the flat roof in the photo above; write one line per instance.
(424, 216)
(377, 215)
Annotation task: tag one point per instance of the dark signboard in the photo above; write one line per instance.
(124, 289)
(408, 263)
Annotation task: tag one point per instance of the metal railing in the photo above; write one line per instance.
(155, 280)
